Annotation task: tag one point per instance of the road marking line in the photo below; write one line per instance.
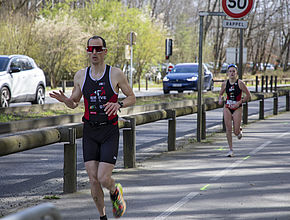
(191, 195)
(260, 147)
(205, 187)
(282, 135)
(226, 170)
(176, 206)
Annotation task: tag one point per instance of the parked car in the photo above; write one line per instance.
(20, 80)
(184, 76)
(224, 68)
(268, 66)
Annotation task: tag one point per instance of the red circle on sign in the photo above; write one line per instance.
(237, 15)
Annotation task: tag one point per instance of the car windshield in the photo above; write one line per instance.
(3, 63)
(185, 69)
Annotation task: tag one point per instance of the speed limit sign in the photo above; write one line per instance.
(237, 8)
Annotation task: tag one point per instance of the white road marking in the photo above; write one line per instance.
(191, 195)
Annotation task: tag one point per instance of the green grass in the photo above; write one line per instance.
(4, 118)
(9, 117)
(140, 101)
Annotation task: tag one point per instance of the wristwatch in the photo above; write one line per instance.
(121, 104)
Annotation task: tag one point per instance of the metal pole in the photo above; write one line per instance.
(240, 67)
(200, 73)
(131, 65)
(199, 98)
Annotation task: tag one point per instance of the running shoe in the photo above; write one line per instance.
(240, 135)
(230, 153)
(118, 202)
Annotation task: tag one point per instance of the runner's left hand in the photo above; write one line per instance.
(111, 108)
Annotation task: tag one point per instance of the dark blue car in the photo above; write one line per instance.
(184, 76)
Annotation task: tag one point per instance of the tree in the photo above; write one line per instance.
(114, 22)
(58, 49)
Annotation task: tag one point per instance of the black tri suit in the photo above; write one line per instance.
(101, 132)
(234, 94)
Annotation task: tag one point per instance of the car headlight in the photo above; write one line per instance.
(194, 78)
(165, 79)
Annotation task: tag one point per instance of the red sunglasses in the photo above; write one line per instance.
(99, 49)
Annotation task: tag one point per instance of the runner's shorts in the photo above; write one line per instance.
(101, 143)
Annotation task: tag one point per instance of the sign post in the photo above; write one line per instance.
(237, 9)
(168, 51)
(131, 37)
(199, 127)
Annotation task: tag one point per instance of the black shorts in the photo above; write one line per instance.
(101, 143)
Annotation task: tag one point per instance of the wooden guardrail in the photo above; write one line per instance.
(68, 134)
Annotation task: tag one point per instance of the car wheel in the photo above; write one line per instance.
(165, 91)
(39, 96)
(5, 97)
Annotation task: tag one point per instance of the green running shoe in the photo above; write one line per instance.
(118, 202)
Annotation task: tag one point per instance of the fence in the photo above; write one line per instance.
(68, 134)
(265, 81)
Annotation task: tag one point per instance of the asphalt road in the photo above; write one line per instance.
(199, 182)
(196, 182)
(32, 174)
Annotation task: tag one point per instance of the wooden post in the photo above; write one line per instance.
(271, 83)
(203, 123)
(63, 83)
(245, 113)
(171, 140)
(257, 83)
(129, 144)
(275, 83)
(261, 112)
(70, 164)
(287, 101)
(262, 84)
(275, 103)
(267, 83)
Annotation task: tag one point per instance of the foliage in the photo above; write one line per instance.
(58, 51)
(57, 37)
(114, 21)
(44, 29)
(16, 34)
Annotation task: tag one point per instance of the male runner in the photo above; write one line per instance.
(99, 85)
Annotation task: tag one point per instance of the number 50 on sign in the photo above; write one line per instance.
(237, 8)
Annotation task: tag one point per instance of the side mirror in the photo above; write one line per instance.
(14, 69)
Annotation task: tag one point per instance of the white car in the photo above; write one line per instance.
(268, 66)
(20, 80)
